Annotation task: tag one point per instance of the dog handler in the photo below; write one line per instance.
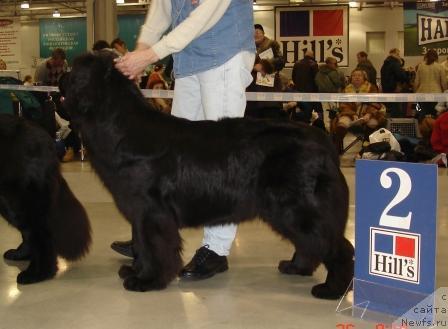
(213, 49)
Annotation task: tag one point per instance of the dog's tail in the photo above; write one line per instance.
(69, 224)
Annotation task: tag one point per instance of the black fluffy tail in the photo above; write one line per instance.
(69, 223)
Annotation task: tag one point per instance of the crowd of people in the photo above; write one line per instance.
(307, 77)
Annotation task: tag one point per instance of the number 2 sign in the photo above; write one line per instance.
(395, 235)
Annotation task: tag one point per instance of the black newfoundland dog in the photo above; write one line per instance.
(166, 173)
(35, 199)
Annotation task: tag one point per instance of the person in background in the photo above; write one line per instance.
(50, 71)
(119, 46)
(369, 115)
(28, 81)
(329, 79)
(267, 49)
(430, 78)
(200, 92)
(156, 76)
(304, 74)
(160, 104)
(392, 77)
(100, 45)
(366, 65)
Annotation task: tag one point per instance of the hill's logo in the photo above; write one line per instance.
(432, 29)
(395, 255)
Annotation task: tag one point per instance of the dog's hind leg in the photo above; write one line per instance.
(300, 264)
(157, 246)
(43, 264)
(340, 265)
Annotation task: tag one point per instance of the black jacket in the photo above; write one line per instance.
(392, 74)
(304, 73)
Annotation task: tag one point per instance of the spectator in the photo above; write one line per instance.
(303, 75)
(265, 79)
(50, 71)
(161, 104)
(28, 81)
(366, 65)
(119, 46)
(439, 137)
(369, 115)
(156, 76)
(445, 67)
(267, 49)
(430, 78)
(328, 78)
(100, 45)
(392, 76)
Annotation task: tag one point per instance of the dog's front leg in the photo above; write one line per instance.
(157, 245)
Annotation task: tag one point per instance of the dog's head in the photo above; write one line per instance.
(92, 84)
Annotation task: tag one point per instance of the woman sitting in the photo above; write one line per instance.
(161, 104)
(369, 116)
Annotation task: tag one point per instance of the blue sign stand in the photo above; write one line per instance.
(395, 237)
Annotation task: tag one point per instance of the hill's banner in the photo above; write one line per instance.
(324, 30)
(425, 27)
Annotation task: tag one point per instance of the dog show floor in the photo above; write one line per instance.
(252, 294)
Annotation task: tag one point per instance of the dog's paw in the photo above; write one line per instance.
(28, 277)
(324, 291)
(134, 283)
(126, 271)
(288, 267)
(16, 255)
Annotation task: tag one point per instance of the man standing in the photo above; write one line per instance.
(267, 49)
(49, 72)
(392, 76)
(213, 49)
(366, 65)
(303, 75)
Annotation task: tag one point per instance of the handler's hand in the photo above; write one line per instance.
(134, 63)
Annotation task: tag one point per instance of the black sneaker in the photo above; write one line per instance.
(204, 264)
(123, 248)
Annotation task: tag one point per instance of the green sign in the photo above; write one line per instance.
(129, 29)
(69, 34)
(425, 27)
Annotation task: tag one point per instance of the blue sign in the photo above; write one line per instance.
(395, 235)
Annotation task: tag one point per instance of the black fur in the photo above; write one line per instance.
(35, 199)
(166, 173)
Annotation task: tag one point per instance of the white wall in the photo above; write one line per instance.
(30, 48)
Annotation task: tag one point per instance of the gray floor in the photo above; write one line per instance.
(252, 294)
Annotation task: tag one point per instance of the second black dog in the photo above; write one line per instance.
(166, 173)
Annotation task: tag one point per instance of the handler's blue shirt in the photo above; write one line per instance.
(233, 33)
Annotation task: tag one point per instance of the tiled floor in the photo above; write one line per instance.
(252, 294)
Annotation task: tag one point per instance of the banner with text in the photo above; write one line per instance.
(324, 30)
(69, 34)
(425, 27)
(10, 49)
